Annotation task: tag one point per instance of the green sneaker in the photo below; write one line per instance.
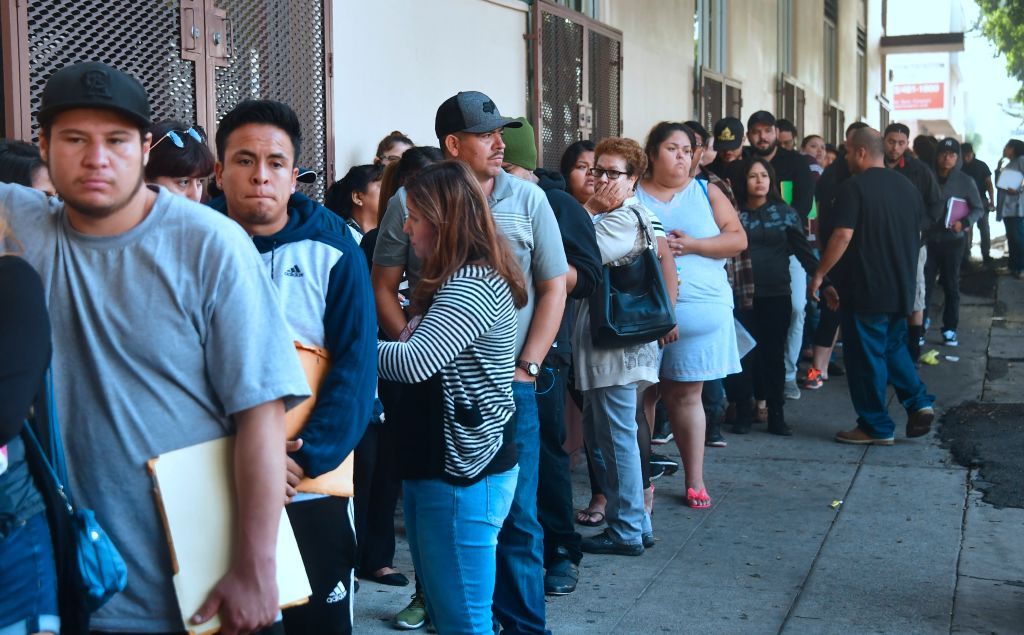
(413, 616)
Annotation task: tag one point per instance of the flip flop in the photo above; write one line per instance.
(585, 517)
(697, 500)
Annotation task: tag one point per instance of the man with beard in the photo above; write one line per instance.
(797, 184)
(171, 335)
(899, 157)
(468, 127)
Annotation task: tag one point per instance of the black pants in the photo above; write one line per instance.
(377, 485)
(764, 368)
(554, 482)
(828, 324)
(325, 533)
(944, 258)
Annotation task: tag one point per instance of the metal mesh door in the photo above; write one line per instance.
(141, 37)
(562, 85)
(605, 81)
(276, 51)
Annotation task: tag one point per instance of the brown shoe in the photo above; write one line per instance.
(859, 437)
(920, 423)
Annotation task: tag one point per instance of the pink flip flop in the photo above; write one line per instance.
(697, 500)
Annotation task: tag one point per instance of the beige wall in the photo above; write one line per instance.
(657, 57)
(752, 52)
(395, 61)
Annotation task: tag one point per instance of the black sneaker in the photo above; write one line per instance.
(671, 467)
(603, 543)
(656, 471)
(561, 577)
(713, 437)
(662, 429)
(648, 539)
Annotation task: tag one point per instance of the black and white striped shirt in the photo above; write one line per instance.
(468, 335)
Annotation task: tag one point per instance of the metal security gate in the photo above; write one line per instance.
(196, 58)
(576, 87)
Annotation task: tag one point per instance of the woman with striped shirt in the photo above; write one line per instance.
(458, 423)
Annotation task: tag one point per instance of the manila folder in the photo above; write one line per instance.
(195, 492)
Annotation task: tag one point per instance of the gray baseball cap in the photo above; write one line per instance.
(470, 111)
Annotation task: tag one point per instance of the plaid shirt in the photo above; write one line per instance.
(739, 268)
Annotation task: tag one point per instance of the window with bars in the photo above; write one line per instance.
(835, 124)
(576, 80)
(196, 58)
(862, 72)
(792, 101)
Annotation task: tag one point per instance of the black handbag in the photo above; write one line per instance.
(630, 305)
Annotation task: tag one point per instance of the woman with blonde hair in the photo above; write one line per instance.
(456, 425)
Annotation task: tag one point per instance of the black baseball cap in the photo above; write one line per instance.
(306, 175)
(728, 133)
(761, 117)
(94, 85)
(949, 144)
(470, 111)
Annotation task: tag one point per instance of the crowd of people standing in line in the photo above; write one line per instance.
(449, 292)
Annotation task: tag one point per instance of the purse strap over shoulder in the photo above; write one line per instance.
(643, 227)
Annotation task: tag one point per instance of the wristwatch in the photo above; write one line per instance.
(532, 368)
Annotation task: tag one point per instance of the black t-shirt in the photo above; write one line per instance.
(879, 270)
(980, 172)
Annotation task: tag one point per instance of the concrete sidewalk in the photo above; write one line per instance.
(910, 549)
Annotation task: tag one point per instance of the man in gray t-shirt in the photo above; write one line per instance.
(468, 127)
(166, 334)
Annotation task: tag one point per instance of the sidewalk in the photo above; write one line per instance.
(910, 550)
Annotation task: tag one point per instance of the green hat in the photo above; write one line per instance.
(520, 145)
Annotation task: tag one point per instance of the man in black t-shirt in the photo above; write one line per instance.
(982, 175)
(875, 243)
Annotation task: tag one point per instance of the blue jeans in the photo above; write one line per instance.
(519, 587)
(453, 537)
(1015, 242)
(795, 333)
(28, 579)
(874, 347)
(609, 424)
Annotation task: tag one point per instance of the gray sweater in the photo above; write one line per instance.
(959, 185)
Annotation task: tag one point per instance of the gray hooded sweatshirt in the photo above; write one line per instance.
(961, 186)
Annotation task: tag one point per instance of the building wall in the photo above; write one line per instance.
(395, 61)
(657, 52)
(752, 45)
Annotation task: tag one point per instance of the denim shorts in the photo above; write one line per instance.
(28, 577)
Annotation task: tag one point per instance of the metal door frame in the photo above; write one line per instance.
(17, 111)
(588, 24)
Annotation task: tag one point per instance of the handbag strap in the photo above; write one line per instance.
(54, 459)
(643, 228)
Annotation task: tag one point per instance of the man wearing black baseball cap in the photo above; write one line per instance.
(728, 136)
(160, 353)
(468, 127)
(947, 240)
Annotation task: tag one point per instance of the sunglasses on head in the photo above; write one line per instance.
(176, 138)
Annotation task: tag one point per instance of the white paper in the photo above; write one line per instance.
(1010, 180)
(198, 494)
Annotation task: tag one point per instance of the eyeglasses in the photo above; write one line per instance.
(176, 138)
(612, 175)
